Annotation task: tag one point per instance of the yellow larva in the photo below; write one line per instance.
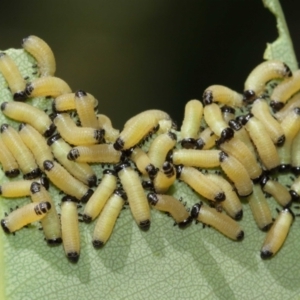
(223, 95)
(21, 153)
(219, 221)
(232, 204)
(214, 119)
(8, 162)
(81, 171)
(36, 144)
(164, 178)
(196, 158)
(165, 126)
(206, 139)
(171, 205)
(47, 86)
(260, 75)
(290, 105)
(260, 209)
(85, 108)
(43, 54)
(243, 154)
(262, 141)
(103, 153)
(296, 154)
(20, 188)
(136, 196)
(60, 177)
(279, 192)
(142, 162)
(261, 111)
(277, 234)
(70, 228)
(111, 134)
(67, 102)
(237, 173)
(295, 190)
(108, 217)
(51, 222)
(23, 112)
(77, 135)
(12, 75)
(25, 215)
(136, 128)
(160, 147)
(200, 183)
(285, 90)
(103, 191)
(190, 127)
(228, 113)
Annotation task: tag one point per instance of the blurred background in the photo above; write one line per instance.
(135, 55)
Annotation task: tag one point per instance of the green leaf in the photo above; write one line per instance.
(165, 262)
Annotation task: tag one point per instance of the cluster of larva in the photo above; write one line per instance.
(229, 146)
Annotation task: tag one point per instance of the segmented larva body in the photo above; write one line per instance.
(8, 162)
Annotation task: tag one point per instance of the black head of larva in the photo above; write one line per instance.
(195, 210)
(35, 187)
(3, 106)
(188, 143)
(87, 196)
(97, 244)
(249, 96)
(152, 198)
(148, 185)
(265, 254)
(287, 71)
(20, 96)
(240, 235)
(53, 139)
(297, 110)
(220, 197)
(145, 225)
(244, 120)
(92, 181)
(48, 165)
(29, 88)
(99, 135)
(119, 144)
(226, 135)
(169, 156)
(207, 97)
(295, 196)
(33, 174)
(54, 242)
(4, 127)
(12, 173)
(50, 130)
(44, 182)
(185, 222)
(172, 135)
(296, 170)
(21, 126)
(235, 125)
(280, 141)
(122, 166)
(276, 105)
(121, 193)
(199, 144)
(284, 168)
(168, 169)
(222, 156)
(267, 227)
(178, 171)
(227, 109)
(80, 94)
(238, 216)
(263, 180)
(73, 257)
(73, 154)
(152, 171)
(4, 226)
(86, 218)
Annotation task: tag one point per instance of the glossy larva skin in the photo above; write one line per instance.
(160, 147)
(164, 178)
(237, 173)
(232, 204)
(260, 75)
(285, 90)
(12, 75)
(193, 114)
(173, 206)
(111, 134)
(196, 158)
(222, 94)
(23, 112)
(84, 103)
(219, 221)
(70, 229)
(43, 54)
(103, 153)
(136, 196)
(279, 192)
(265, 147)
(206, 139)
(51, 222)
(136, 128)
(36, 143)
(277, 234)
(260, 208)
(98, 200)
(261, 111)
(60, 177)
(8, 162)
(47, 86)
(200, 183)
(81, 171)
(107, 219)
(25, 215)
(244, 155)
(66, 102)
(290, 105)
(77, 135)
(228, 113)
(21, 153)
